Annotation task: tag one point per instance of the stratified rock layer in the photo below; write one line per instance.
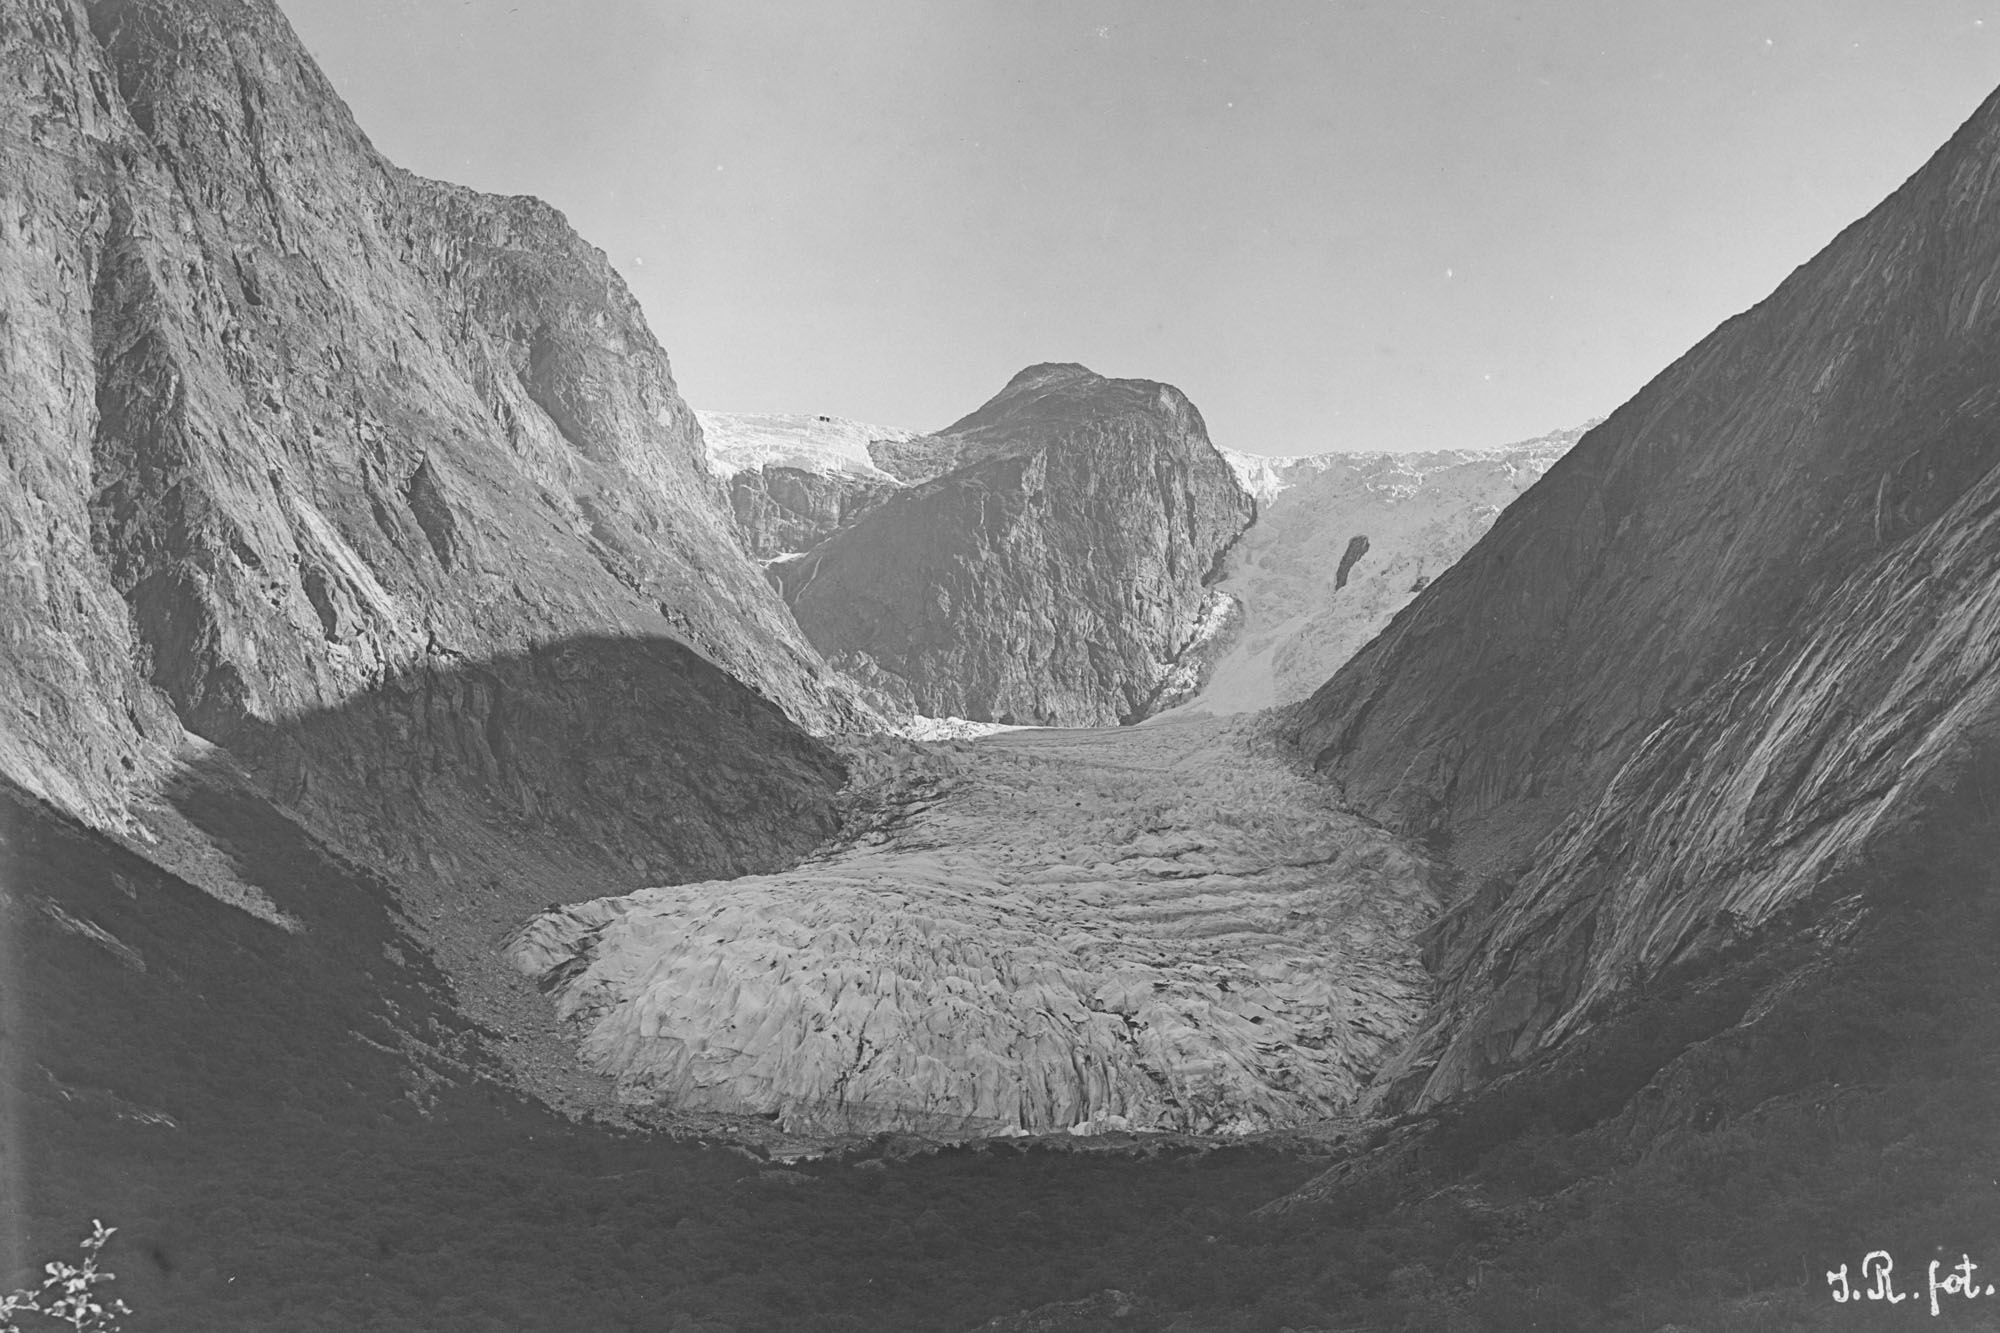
(1710, 681)
(1167, 928)
(1342, 542)
(286, 428)
(1048, 564)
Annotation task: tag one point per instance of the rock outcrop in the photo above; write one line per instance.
(1707, 687)
(1167, 928)
(1049, 563)
(794, 481)
(1342, 542)
(286, 428)
(788, 510)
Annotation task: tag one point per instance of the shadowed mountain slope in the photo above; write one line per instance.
(1049, 563)
(488, 790)
(1687, 700)
(1799, 442)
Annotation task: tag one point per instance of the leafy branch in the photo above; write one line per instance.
(68, 1293)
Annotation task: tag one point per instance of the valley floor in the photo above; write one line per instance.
(296, 1129)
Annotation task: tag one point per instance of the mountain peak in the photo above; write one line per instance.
(1054, 397)
(1046, 373)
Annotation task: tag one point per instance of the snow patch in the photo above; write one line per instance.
(1215, 618)
(1418, 512)
(738, 441)
(1261, 476)
(1392, 474)
(950, 729)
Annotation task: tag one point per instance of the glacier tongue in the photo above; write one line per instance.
(1156, 929)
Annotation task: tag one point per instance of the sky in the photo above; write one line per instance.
(1335, 224)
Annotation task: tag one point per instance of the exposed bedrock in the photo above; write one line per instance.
(1692, 698)
(1049, 563)
(788, 510)
(283, 425)
(1781, 799)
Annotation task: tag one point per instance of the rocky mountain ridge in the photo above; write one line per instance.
(1706, 690)
(1048, 562)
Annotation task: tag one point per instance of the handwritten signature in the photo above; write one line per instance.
(1877, 1281)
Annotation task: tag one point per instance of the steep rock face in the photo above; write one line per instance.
(1801, 439)
(1726, 664)
(1048, 564)
(796, 480)
(284, 425)
(1793, 794)
(786, 510)
(1161, 928)
(1342, 542)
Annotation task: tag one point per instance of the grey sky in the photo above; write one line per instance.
(1334, 223)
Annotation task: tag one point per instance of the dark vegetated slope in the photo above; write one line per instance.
(1050, 566)
(1708, 1152)
(335, 1158)
(553, 774)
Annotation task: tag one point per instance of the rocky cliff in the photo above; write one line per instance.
(796, 480)
(1050, 561)
(365, 490)
(293, 434)
(1700, 692)
(1342, 542)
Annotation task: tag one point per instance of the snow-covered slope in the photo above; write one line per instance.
(794, 480)
(1342, 542)
(740, 440)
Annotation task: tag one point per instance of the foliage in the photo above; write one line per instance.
(67, 1294)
